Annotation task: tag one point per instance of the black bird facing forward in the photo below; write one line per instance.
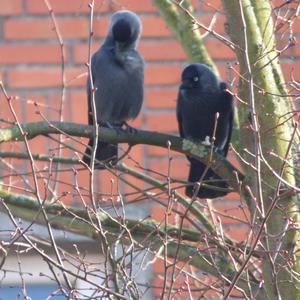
(201, 96)
(118, 77)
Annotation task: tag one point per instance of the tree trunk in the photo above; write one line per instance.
(266, 106)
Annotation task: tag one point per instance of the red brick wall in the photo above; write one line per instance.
(30, 58)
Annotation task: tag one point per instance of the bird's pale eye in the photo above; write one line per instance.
(196, 78)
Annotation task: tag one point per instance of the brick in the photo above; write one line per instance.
(224, 72)
(238, 233)
(179, 168)
(63, 179)
(233, 160)
(29, 54)
(18, 106)
(158, 212)
(6, 181)
(159, 98)
(291, 70)
(284, 4)
(150, 51)
(82, 178)
(64, 189)
(158, 266)
(10, 7)
(16, 163)
(6, 115)
(79, 146)
(108, 187)
(291, 52)
(133, 159)
(216, 25)
(231, 212)
(162, 74)
(132, 188)
(154, 27)
(54, 100)
(33, 105)
(65, 6)
(79, 106)
(80, 52)
(137, 6)
(211, 6)
(76, 77)
(161, 50)
(284, 27)
(286, 21)
(45, 77)
(138, 121)
(43, 29)
(162, 122)
(219, 51)
(295, 50)
(100, 27)
(154, 151)
(39, 145)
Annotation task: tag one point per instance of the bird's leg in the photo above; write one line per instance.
(130, 128)
(220, 151)
(206, 141)
(118, 128)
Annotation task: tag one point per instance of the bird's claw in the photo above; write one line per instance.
(219, 151)
(206, 142)
(117, 128)
(130, 129)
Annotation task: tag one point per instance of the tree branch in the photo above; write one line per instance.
(220, 165)
(80, 222)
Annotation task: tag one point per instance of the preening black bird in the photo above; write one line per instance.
(118, 77)
(201, 96)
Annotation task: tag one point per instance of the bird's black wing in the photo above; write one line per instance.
(224, 107)
(179, 119)
(105, 152)
(224, 127)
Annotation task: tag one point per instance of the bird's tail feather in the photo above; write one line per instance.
(105, 153)
(210, 178)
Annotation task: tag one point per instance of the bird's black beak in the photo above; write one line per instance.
(185, 85)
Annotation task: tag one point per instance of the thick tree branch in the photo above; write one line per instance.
(220, 165)
(276, 133)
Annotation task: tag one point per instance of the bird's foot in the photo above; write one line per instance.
(118, 128)
(219, 151)
(130, 128)
(206, 142)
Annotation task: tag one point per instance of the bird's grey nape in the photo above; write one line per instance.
(125, 26)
